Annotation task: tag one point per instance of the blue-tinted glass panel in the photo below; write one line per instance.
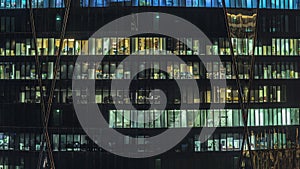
(291, 2)
(238, 4)
(227, 3)
(255, 4)
(18, 4)
(286, 4)
(247, 3)
(13, 3)
(232, 3)
(263, 4)
(195, 3)
(6, 4)
(46, 3)
(175, 3)
(220, 3)
(208, 3)
(99, 3)
(2, 4)
(295, 4)
(135, 3)
(162, 2)
(281, 5)
(214, 3)
(241, 3)
(268, 3)
(181, 2)
(188, 3)
(155, 2)
(52, 3)
(202, 3)
(34, 4)
(169, 3)
(145, 2)
(40, 3)
(273, 4)
(92, 3)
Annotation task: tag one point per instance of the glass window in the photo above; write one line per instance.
(76, 143)
(283, 116)
(91, 46)
(126, 118)
(84, 47)
(216, 3)
(155, 2)
(177, 118)
(171, 119)
(279, 116)
(92, 3)
(52, 3)
(223, 143)
(112, 118)
(197, 143)
(59, 4)
(188, 3)
(266, 117)
(70, 142)
(197, 118)
(190, 118)
(202, 3)
(203, 118)
(291, 4)
(196, 3)
(210, 144)
(174, 3)
(273, 4)
(210, 118)
(63, 142)
(223, 118)
(275, 115)
(55, 138)
(208, 3)
(230, 117)
(183, 118)
(119, 119)
(294, 116)
(286, 4)
(288, 116)
(164, 120)
(133, 118)
(149, 121)
(157, 118)
(2, 3)
(281, 4)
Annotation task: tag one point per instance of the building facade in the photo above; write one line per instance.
(273, 112)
